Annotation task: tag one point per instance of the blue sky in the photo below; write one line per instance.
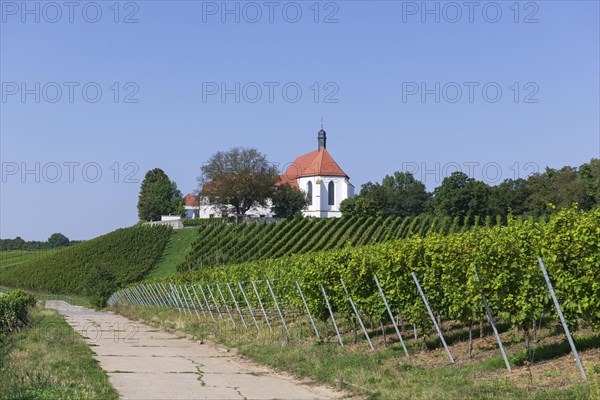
(497, 90)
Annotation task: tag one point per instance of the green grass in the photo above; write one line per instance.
(383, 374)
(15, 257)
(50, 361)
(175, 251)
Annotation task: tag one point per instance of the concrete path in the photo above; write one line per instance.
(145, 363)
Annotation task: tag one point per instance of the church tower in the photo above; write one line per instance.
(322, 139)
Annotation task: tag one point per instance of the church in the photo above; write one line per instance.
(316, 173)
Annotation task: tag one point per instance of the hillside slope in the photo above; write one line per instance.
(130, 253)
(220, 244)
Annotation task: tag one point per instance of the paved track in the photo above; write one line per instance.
(145, 363)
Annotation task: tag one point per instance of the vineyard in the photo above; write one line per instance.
(221, 243)
(335, 289)
(130, 253)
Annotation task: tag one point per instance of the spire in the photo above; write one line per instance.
(322, 137)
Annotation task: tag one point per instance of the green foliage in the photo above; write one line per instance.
(57, 240)
(504, 256)
(399, 194)
(220, 243)
(159, 196)
(461, 196)
(239, 178)
(14, 309)
(289, 201)
(99, 285)
(130, 253)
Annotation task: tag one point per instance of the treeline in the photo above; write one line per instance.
(54, 241)
(460, 196)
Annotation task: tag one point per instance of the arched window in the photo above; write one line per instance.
(309, 191)
(331, 193)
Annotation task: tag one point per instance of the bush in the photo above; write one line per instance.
(99, 285)
(14, 310)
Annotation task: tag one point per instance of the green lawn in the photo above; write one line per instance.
(50, 360)
(178, 246)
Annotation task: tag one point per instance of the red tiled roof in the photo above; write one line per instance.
(190, 200)
(315, 163)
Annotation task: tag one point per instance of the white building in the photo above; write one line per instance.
(321, 177)
(316, 173)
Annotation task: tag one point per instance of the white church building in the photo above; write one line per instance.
(316, 173)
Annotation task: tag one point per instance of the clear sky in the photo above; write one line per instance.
(497, 89)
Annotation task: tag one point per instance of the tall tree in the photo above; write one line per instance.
(289, 201)
(461, 196)
(399, 194)
(238, 179)
(560, 188)
(57, 240)
(509, 196)
(158, 196)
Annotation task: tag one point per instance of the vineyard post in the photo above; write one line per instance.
(173, 294)
(168, 297)
(332, 317)
(187, 301)
(562, 319)
(391, 315)
(151, 297)
(214, 301)
(207, 304)
(193, 303)
(312, 321)
(161, 294)
(185, 304)
(278, 309)
(198, 300)
(493, 323)
(437, 328)
(261, 306)
(140, 295)
(237, 307)
(357, 315)
(155, 295)
(225, 303)
(248, 304)
(134, 296)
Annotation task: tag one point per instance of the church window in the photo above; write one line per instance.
(331, 193)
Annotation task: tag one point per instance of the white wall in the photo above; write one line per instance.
(320, 199)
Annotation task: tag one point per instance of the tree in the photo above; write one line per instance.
(589, 176)
(461, 196)
(509, 196)
(560, 188)
(359, 206)
(99, 285)
(239, 178)
(159, 196)
(57, 240)
(289, 201)
(399, 194)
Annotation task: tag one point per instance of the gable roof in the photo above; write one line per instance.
(315, 163)
(191, 200)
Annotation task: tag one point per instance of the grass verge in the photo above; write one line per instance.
(50, 360)
(386, 373)
(175, 251)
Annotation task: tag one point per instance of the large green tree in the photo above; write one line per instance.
(159, 196)
(559, 188)
(58, 240)
(289, 201)
(238, 179)
(399, 194)
(509, 197)
(461, 196)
